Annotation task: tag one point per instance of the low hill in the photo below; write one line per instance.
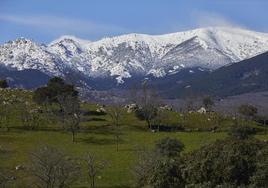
(244, 77)
(27, 79)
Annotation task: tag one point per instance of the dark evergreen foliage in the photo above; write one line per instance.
(55, 87)
(230, 161)
(169, 147)
(3, 84)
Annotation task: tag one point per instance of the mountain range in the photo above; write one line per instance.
(248, 76)
(117, 61)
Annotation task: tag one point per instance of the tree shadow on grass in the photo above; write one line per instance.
(138, 128)
(116, 186)
(102, 130)
(99, 141)
(7, 138)
(90, 119)
(19, 129)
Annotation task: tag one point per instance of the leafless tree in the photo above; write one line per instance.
(94, 167)
(6, 177)
(5, 113)
(30, 116)
(4, 117)
(143, 166)
(115, 112)
(161, 119)
(148, 103)
(51, 168)
(133, 93)
(190, 103)
(70, 113)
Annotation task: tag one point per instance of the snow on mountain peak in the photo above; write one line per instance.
(136, 54)
(70, 38)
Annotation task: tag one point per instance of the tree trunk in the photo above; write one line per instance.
(149, 124)
(73, 136)
(92, 182)
(117, 138)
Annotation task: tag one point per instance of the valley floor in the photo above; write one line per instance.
(102, 144)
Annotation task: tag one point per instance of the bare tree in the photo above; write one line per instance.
(6, 177)
(94, 167)
(5, 117)
(70, 113)
(115, 113)
(161, 119)
(148, 104)
(5, 113)
(133, 93)
(190, 103)
(143, 166)
(51, 168)
(30, 115)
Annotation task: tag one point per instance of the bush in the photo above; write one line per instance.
(260, 178)
(230, 161)
(242, 132)
(169, 147)
(226, 163)
(166, 173)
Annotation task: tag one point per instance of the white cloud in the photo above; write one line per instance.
(62, 24)
(211, 19)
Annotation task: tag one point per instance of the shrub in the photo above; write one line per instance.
(230, 161)
(166, 173)
(242, 132)
(169, 147)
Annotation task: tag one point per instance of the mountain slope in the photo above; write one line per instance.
(135, 55)
(27, 79)
(246, 76)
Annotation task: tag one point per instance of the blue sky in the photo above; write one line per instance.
(45, 20)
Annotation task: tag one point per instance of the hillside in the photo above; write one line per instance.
(246, 76)
(27, 79)
(96, 135)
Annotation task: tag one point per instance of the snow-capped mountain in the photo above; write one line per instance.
(134, 55)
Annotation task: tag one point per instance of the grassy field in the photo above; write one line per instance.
(97, 136)
(118, 173)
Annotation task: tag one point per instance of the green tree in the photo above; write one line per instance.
(55, 88)
(247, 110)
(208, 102)
(3, 84)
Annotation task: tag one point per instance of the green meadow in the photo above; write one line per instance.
(97, 136)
